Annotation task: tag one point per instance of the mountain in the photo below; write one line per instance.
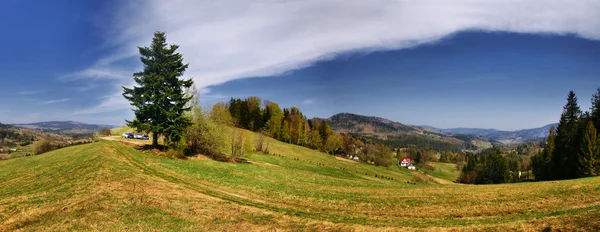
(359, 124)
(62, 127)
(505, 137)
(394, 134)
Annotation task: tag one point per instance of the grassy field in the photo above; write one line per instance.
(445, 171)
(111, 185)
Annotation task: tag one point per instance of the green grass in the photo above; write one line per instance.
(445, 171)
(112, 186)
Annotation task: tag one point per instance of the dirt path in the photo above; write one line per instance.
(131, 141)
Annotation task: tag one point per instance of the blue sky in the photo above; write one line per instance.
(456, 64)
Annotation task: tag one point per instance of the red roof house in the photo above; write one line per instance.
(404, 162)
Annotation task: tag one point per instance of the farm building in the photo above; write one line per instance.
(411, 167)
(404, 162)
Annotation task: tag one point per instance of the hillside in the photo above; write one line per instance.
(63, 127)
(353, 123)
(113, 186)
(392, 133)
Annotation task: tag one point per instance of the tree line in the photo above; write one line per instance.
(572, 150)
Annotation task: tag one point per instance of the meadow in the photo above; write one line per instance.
(114, 185)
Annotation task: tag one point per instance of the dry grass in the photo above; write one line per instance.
(110, 186)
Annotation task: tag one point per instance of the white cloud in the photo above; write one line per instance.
(56, 101)
(227, 40)
(308, 102)
(98, 72)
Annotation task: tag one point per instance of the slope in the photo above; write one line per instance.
(393, 134)
(113, 186)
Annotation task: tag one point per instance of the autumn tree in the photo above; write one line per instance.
(158, 99)
(220, 114)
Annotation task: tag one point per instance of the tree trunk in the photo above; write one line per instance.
(155, 139)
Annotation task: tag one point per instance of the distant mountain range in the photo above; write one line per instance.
(505, 137)
(62, 127)
(384, 128)
(394, 134)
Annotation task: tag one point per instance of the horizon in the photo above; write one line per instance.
(424, 126)
(452, 65)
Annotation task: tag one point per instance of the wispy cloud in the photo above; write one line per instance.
(308, 102)
(30, 92)
(98, 73)
(236, 39)
(109, 103)
(56, 101)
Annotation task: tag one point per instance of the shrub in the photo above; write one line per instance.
(206, 136)
(260, 142)
(175, 154)
(43, 146)
(104, 131)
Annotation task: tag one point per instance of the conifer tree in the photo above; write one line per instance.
(595, 110)
(590, 147)
(159, 100)
(564, 157)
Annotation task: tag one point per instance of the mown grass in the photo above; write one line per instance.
(114, 186)
(445, 171)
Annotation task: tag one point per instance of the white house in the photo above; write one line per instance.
(411, 167)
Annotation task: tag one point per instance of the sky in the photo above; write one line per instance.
(502, 64)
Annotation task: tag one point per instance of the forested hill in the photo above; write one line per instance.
(394, 134)
(359, 124)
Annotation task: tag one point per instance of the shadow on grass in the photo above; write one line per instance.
(149, 147)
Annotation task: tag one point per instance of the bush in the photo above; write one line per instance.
(260, 142)
(104, 131)
(175, 154)
(206, 136)
(43, 146)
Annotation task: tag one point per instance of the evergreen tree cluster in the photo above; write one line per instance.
(489, 167)
(572, 150)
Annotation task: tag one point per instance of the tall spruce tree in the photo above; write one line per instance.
(541, 162)
(565, 156)
(595, 110)
(159, 100)
(590, 147)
